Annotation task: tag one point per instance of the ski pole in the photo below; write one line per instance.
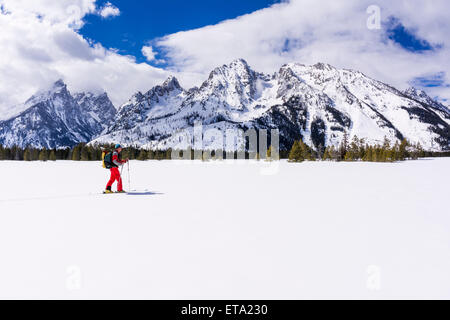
(121, 170)
(129, 179)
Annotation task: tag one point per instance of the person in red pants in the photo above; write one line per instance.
(115, 173)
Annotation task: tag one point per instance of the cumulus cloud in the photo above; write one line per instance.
(148, 53)
(310, 31)
(39, 44)
(109, 10)
(69, 12)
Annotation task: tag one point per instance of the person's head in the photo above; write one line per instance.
(118, 148)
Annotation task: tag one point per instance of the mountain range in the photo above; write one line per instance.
(55, 118)
(319, 103)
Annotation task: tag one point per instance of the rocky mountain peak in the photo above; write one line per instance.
(239, 64)
(54, 118)
(323, 66)
(423, 97)
(59, 88)
(413, 92)
(59, 84)
(237, 68)
(172, 84)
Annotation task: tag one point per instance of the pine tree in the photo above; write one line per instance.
(343, 147)
(159, 155)
(362, 149)
(142, 155)
(382, 156)
(333, 153)
(43, 155)
(388, 155)
(353, 150)
(7, 154)
(168, 154)
(306, 151)
(76, 153)
(34, 154)
(327, 155)
(16, 153)
(94, 154)
(348, 156)
(375, 154)
(27, 155)
(296, 154)
(52, 156)
(133, 155)
(62, 154)
(368, 155)
(84, 154)
(402, 150)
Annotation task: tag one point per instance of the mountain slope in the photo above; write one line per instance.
(421, 97)
(56, 119)
(318, 103)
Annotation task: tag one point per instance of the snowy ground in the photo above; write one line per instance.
(221, 230)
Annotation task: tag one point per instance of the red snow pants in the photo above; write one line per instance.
(115, 176)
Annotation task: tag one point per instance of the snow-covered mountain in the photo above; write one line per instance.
(54, 119)
(422, 97)
(318, 103)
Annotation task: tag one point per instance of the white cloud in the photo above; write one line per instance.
(109, 10)
(148, 52)
(69, 12)
(39, 44)
(309, 31)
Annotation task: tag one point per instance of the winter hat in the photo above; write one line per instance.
(118, 146)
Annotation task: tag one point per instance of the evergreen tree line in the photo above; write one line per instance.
(80, 152)
(358, 150)
(83, 152)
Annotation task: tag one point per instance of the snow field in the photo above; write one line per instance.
(223, 230)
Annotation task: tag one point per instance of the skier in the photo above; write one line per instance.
(116, 162)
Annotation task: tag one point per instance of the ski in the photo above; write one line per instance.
(104, 192)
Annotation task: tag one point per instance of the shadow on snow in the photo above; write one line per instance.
(143, 193)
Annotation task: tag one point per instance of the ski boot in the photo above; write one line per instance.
(108, 191)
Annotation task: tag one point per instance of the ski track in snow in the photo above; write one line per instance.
(222, 230)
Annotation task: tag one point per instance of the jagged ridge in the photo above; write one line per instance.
(56, 119)
(318, 103)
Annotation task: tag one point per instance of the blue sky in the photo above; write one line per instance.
(142, 21)
(407, 38)
(410, 41)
